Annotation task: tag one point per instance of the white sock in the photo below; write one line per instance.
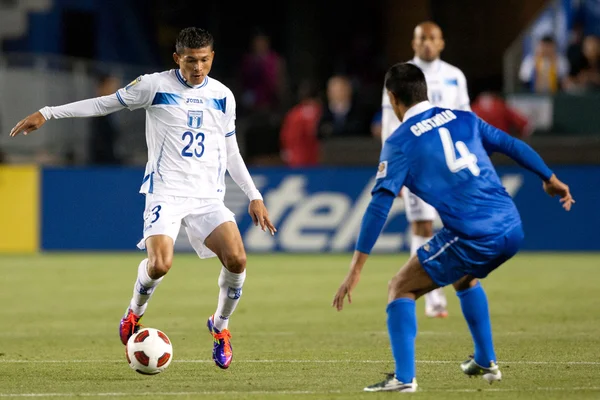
(435, 297)
(143, 289)
(230, 285)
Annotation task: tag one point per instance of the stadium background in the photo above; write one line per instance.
(70, 214)
(55, 196)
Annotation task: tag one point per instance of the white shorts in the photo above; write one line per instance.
(164, 215)
(417, 209)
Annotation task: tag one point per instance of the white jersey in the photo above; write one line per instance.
(186, 129)
(446, 87)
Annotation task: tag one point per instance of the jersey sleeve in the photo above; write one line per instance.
(229, 119)
(495, 140)
(389, 120)
(139, 93)
(464, 102)
(392, 170)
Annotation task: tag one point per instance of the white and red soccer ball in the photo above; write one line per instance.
(149, 351)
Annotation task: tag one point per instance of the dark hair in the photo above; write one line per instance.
(193, 38)
(407, 83)
(549, 39)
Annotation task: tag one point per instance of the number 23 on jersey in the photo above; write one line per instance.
(194, 144)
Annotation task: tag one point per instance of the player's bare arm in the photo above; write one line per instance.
(554, 187)
(350, 281)
(28, 124)
(260, 215)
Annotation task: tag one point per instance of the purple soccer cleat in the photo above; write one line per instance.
(222, 352)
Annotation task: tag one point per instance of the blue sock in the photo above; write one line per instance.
(474, 304)
(402, 328)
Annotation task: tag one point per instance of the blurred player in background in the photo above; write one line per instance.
(190, 134)
(442, 156)
(447, 87)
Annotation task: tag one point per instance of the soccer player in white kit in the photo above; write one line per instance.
(190, 133)
(447, 87)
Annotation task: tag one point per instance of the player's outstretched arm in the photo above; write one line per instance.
(496, 140)
(350, 281)
(554, 187)
(94, 107)
(28, 124)
(372, 225)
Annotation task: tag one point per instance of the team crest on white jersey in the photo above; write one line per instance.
(194, 119)
(133, 82)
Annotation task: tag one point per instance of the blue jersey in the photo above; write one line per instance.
(442, 156)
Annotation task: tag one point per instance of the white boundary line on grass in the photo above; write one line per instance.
(289, 392)
(524, 362)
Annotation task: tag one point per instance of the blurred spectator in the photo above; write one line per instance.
(492, 108)
(263, 79)
(104, 131)
(585, 76)
(342, 114)
(299, 143)
(263, 75)
(544, 71)
(376, 124)
(574, 50)
(2, 157)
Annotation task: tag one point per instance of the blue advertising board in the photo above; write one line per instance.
(315, 210)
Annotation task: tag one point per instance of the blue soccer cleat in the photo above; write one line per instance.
(222, 351)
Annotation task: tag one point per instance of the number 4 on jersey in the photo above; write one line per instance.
(466, 159)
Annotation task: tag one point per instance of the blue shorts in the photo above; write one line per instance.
(447, 258)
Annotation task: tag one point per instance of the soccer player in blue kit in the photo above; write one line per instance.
(442, 156)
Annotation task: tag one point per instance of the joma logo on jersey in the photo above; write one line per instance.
(194, 101)
(194, 119)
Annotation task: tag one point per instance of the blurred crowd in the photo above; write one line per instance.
(284, 121)
(574, 68)
(549, 71)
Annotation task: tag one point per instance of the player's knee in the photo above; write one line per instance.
(423, 228)
(396, 287)
(158, 266)
(464, 283)
(235, 261)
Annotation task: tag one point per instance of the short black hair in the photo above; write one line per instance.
(193, 38)
(407, 83)
(549, 39)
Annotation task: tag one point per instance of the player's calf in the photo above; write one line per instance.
(159, 265)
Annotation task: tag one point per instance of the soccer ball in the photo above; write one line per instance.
(149, 351)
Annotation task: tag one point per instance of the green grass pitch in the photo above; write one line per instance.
(59, 315)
